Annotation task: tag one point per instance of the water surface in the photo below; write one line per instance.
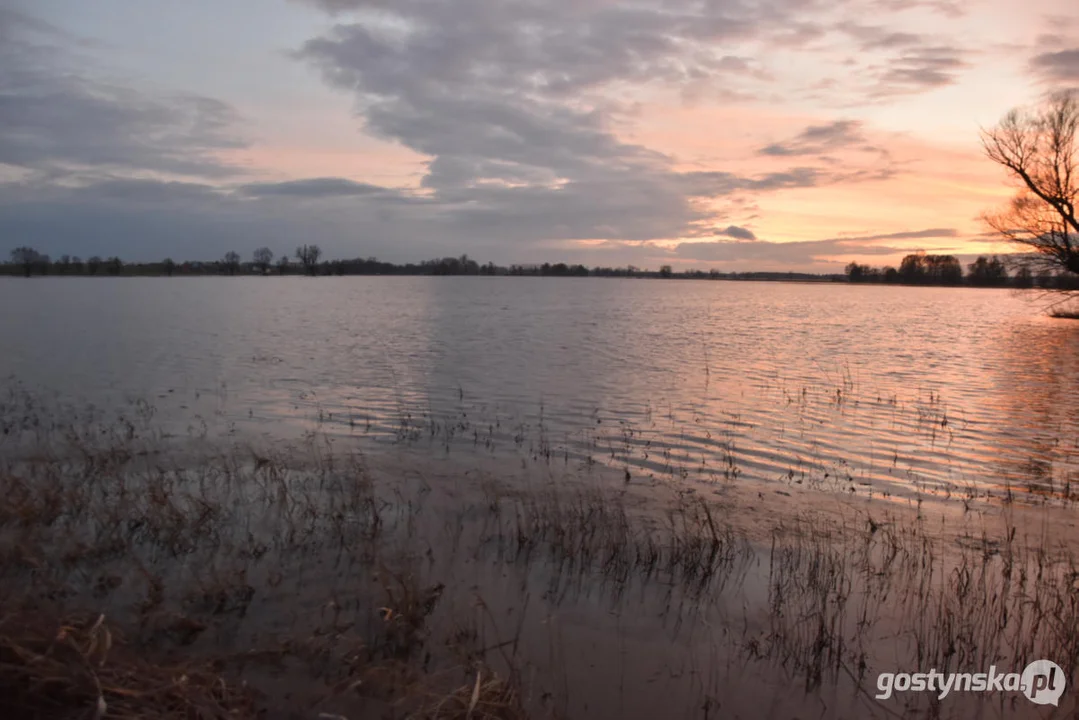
(870, 389)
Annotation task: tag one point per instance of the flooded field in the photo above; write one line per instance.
(502, 498)
(894, 390)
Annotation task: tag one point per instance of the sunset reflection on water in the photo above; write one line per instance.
(881, 390)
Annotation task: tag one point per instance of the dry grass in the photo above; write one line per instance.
(176, 551)
(81, 668)
(488, 698)
(156, 579)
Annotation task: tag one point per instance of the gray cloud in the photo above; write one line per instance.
(818, 139)
(327, 187)
(875, 37)
(786, 255)
(147, 219)
(1062, 67)
(136, 219)
(948, 8)
(910, 235)
(828, 255)
(738, 233)
(142, 192)
(920, 69)
(514, 102)
(763, 254)
(792, 255)
(509, 100)
(55, 120)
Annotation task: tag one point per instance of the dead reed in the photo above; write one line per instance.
(80, 667)
(143, 579)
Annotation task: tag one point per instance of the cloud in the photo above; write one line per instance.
(875, 37)
(818, 139)
(793, 255)
(788, 255)
(520, 109)
(327, 187)
(128, 190)
(143, 220)
(512, 102)
(920, 69)
(738, 233)
(138, 219)
(948, 8)
(819, 254)
(148, 219)
(909, 235)
(55, 120)
(1059, 67)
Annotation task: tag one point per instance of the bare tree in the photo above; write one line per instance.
(232, 262)
(308, 255)
(263, 257)
(1038, 149)
(169, 266)
(27, 257)
(282, 264)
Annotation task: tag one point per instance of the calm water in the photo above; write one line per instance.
(870, 389)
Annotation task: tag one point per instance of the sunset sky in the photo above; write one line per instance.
(776, 135)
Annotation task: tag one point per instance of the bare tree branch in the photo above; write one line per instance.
(1038, 149)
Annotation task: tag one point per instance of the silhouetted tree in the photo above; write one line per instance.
(1038, 150)
(26, 257)
(114, 265)
(943, 270)
(308, 256)
(912, 269)
(861, 273)
(985, 272)
(94, 264)
(263, 257)
(231, 263)
(282, 264)
(1065, 280)
(451, 266)
(665, 271)
(1024, 278)
(168, 266)
(469, 266)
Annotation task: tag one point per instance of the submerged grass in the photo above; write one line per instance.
(77, 667)
(140, 580)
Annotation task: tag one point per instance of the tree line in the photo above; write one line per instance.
(915, 269)
(306, 260)
(926, 269)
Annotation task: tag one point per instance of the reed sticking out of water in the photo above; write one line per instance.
(183, 561)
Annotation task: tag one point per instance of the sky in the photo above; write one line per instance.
(774, 135)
